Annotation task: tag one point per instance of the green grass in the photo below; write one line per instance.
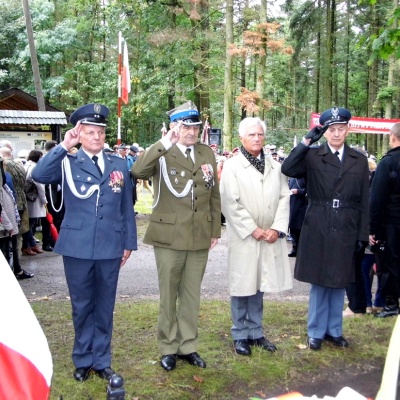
(227, 376)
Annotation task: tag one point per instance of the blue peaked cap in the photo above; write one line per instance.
(335, 115)
(90, 114)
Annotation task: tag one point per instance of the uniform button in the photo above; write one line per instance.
(195, 185)
(160, 219)
(100, 205)
(195, 198)
(159, 150)
(101, 217)
(195, 210)
(333, 229)
(194, 173)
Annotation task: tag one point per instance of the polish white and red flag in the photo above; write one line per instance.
(126, 77)
(26, 366)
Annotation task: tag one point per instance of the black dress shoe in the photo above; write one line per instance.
(168, 362)
(105, 373)
(338, 341)
(193, 359)
(81, 374)
(24, 275)
(264, 343)
(292, 253)
(242, 347)
(47, 248)
(314, 343)
(387, 312)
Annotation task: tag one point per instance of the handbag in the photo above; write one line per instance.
(30, 190)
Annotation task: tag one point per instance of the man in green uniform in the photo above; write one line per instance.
(184, 226)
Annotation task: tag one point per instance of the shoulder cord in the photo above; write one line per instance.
(66, 169)
(164, 174)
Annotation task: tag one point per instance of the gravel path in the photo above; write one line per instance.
(138, 278)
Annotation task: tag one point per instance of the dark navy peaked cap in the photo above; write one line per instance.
(335, 115)
(90, 114)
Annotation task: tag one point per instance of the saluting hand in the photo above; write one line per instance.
(173, 134)
(72, 136)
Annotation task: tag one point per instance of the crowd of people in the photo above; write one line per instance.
(340, 211)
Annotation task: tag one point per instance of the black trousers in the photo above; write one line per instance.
(355, 291)
(389, 266)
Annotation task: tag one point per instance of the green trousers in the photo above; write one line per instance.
(180, 274)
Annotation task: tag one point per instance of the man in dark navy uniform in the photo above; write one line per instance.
(97, 234)
(335, 226)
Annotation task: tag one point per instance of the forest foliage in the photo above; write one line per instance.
(288, 59)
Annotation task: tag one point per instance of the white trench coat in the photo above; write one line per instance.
(250, 200)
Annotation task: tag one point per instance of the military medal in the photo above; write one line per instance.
(208, 175)
(173, 171)
(176, 181)
(116, 181)
(83, 188)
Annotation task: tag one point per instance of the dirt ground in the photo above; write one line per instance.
(138, 280)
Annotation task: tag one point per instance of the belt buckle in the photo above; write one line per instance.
(335, 203)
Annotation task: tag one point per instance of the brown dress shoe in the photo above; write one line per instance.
(28, 252)
(37, 250)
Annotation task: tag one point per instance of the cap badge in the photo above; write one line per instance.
(335, 113)
(97, 108)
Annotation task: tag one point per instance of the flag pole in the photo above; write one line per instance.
(119, 86)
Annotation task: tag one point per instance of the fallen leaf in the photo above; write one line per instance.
(198, 378)
(295, 337)
(124, 296)
(284, 335)
(260, 393)
(302, 346)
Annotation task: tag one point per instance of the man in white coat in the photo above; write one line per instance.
(255, 202)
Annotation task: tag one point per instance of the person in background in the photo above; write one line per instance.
(255, 202)
(97, 235)
(17, 175)
(335, 227)
(36, 209)
(385, 222)
(298, 207)
(184, 226)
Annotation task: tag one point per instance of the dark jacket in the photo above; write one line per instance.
(385, 194)
(337, 215)
(298, 203)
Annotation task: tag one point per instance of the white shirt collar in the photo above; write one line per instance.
(183, 148)
(341, 150)
(100, 157)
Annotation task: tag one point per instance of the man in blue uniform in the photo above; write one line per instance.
(97, 234)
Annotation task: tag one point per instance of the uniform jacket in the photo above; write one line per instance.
(250, 200)
(85, 233)
(298, 203)
(329, 233)
(186, 223)
(385, 194)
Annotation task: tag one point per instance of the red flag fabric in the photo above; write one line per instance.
(53, 229)
(26, 366)
(126, 78)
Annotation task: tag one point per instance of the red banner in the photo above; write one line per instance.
(362, 125)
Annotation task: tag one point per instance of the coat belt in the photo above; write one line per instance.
(335, 203)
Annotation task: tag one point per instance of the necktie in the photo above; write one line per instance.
(95, 160)
(188, 157)
(338, 156)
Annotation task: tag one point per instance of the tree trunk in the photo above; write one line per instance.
(228, 100)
